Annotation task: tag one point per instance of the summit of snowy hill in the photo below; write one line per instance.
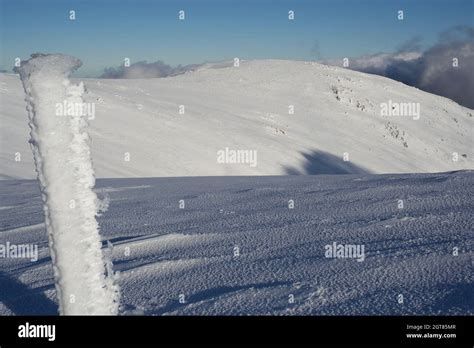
(262, 117)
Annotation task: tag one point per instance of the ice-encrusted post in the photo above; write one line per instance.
(61, 151)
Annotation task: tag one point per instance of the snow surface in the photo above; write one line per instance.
(163, 251)
(335, 111)
(61, 150)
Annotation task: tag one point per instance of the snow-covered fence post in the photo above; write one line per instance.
(61, 150)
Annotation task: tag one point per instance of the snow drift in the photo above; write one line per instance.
(60, 145)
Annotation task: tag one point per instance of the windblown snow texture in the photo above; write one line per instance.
(61, 152)
(163, 251)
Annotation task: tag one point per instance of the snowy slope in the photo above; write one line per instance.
(163, 251)
(335, 111)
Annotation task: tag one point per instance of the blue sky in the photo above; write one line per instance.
(107, 31)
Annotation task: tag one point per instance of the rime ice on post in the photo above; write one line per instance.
(63, 162)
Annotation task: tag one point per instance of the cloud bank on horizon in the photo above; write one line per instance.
(446, 68)
(143, 69)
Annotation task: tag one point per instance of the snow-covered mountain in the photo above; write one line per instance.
(327, 244)
(177, 126)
